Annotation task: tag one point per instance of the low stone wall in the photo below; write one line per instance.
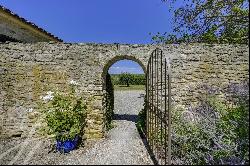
(28, 71)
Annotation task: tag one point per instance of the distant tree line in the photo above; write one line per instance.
(128, 79)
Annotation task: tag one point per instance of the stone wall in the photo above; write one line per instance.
(201, 68)
(28, 71)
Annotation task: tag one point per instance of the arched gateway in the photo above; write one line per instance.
(116, 59)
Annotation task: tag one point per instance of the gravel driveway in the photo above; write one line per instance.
(122, 145)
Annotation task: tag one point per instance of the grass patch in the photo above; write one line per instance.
(131, 87)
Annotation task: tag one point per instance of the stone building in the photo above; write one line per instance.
(15, 28)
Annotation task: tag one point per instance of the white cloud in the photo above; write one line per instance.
(118, 70)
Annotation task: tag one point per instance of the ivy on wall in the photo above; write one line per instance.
(109, 103)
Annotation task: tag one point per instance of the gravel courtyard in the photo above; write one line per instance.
(122, 145)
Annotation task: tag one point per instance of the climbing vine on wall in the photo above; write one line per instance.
(109, 102)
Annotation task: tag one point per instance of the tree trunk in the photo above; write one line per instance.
(127, 84)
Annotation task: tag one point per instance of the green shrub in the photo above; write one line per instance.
(135, 79)
(109, 103)
(141, 122)
(212, 133)
(65, 114)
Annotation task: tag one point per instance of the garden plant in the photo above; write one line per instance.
(65, 117)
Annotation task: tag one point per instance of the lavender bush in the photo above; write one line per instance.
(214, 132)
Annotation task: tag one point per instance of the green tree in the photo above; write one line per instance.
(126, 78)
(137, 79)
(208, 21)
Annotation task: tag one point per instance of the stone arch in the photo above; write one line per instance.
(108, 93)
(116, 59)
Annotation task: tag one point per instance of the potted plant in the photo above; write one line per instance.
(65, 116)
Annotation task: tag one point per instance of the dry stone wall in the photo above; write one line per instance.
(28, 71)
(200, 69)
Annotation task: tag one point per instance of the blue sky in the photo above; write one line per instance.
(97, 21)
(125, 66)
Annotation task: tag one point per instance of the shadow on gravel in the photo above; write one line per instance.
(150, 152)
(132, 118)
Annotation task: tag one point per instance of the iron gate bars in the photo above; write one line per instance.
(158, 90)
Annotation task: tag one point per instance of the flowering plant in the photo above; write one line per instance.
(65, 114)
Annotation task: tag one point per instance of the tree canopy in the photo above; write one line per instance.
(126, 78)
(208, 21)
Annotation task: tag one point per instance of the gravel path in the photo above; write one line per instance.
(122, 145)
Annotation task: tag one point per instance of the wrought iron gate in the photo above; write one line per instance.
(158, 90)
